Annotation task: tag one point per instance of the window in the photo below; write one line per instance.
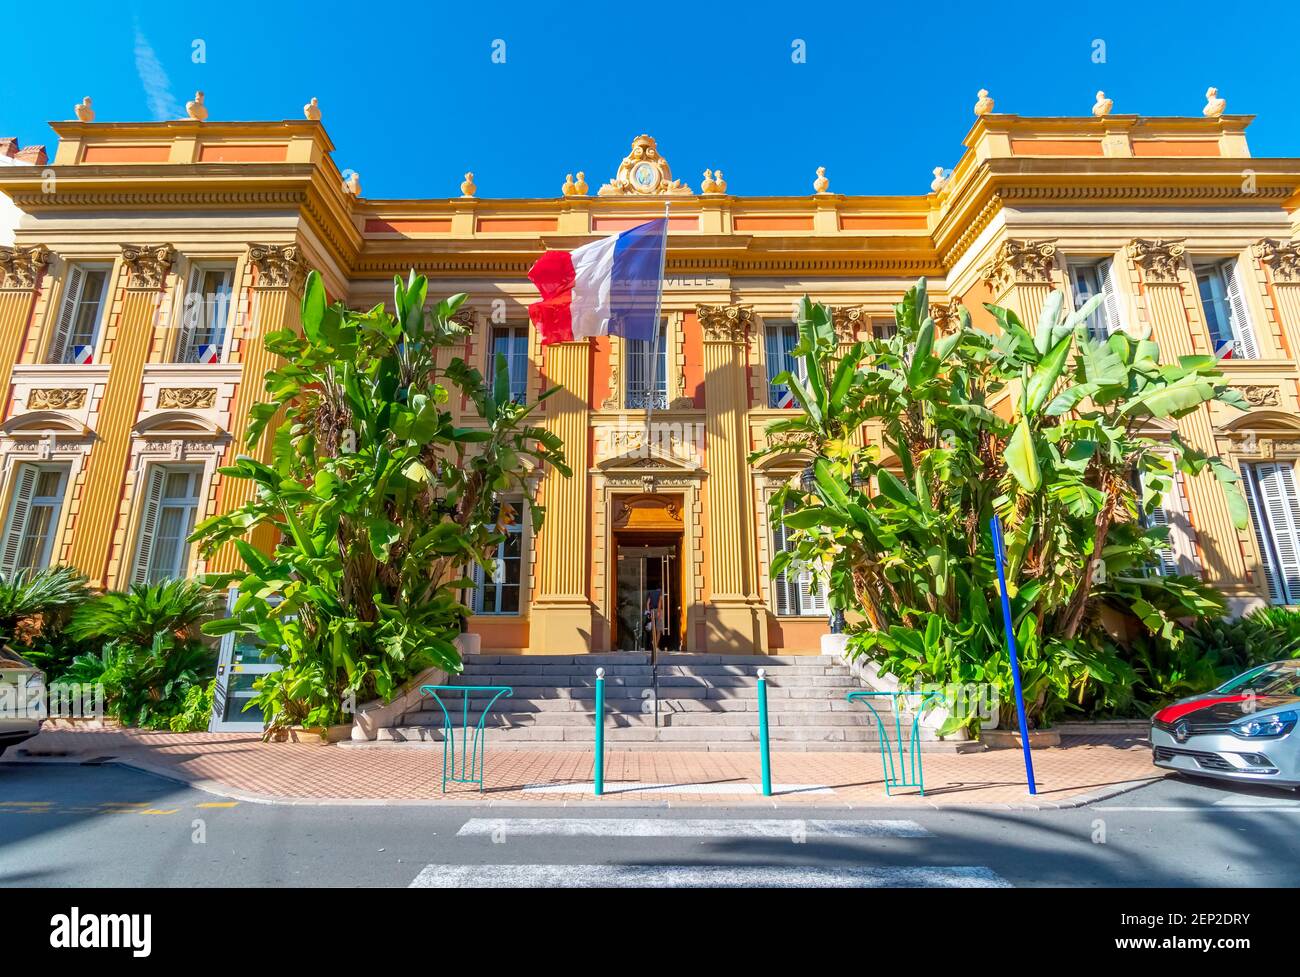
(883, 330)
(33, 518)
(499, 593)
(1275, 515)
(512, 343)
(1224, 303)
(1165, 514)
(799, 592)
(1097, 278)
(639, 367)
(167, 516)
(76, 331)
(780, 341)
(205, 315)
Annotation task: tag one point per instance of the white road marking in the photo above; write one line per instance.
(1248, 800)
(690, 828)
(633, 786)
(1203, 809)
(704, 876)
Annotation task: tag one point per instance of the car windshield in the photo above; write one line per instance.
(1280, 678)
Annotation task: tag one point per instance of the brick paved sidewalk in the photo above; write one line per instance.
(241, 766)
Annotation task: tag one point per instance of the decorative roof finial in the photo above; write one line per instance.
(985, 104)
(1103, 105)
(940, 181)
(721, 183)
(467, 188)
(707, 185)
(311, 111)
(84, 112)
(1214, 105)
(821, 184)
(352, 184)
(569, 188)
(580, 188)
(196, 110)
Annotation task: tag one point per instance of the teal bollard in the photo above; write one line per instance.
(764, 751)
(599, 778)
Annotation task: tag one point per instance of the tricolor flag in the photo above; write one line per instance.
(209, 353)
(1224, 349)
(82, 354)
(784, 398)
(607, 288)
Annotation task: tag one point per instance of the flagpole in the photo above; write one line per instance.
(654, 342)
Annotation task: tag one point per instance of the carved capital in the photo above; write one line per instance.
(187, 398)
(1282, 259)
(466, 318)
(946, 317)
(1020, 263)
(849, 320)
(1161, 261)
(725, 323)
(147, 266)
(56, 398)
(278, 266)
(20, 268)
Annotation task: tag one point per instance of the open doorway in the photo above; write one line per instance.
(648, 592)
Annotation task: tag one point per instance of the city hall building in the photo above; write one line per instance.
(121, 400)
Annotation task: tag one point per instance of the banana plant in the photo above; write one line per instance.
(1050, 429)
(383, 502)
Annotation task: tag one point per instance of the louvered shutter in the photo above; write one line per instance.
(20, 509)
(74, 284)
(191, 318)
(1167, 563)
(784, 590)
(1243, 331)
(148, 523)
(1110, 289)
(1263, 535)
(1282, 516)
(812, 593)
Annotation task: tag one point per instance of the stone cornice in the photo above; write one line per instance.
(1161, 261)
(147, 266)
(725, 323)
(1282, 258)
(20, 267)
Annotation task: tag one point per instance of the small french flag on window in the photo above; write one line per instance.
(82, 354)
(785, 398)
(209, 353)
(1225, 349)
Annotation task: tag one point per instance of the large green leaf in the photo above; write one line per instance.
(1022, 459)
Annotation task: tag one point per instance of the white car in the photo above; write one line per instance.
(1241, 731)
(22, 698)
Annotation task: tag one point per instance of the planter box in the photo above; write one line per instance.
(311, 735)
(1006, 739)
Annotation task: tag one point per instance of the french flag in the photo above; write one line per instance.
(607, 288)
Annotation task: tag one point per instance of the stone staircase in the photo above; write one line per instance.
(686, 702)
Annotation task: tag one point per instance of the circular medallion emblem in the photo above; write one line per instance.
(645, 177)
(1181, 732)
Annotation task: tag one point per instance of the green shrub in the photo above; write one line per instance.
(196, 710)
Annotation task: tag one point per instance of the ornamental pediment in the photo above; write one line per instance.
(644, 173)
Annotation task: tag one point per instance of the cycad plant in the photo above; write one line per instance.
(29, 599)
(146, 649)
(1048, 430)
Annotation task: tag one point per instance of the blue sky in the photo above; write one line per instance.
(412, 98)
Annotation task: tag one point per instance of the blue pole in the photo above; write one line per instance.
(764, 750)
(599, 779)
(999, 555)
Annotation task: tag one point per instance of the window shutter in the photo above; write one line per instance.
(73, 286)
(636, 371)
(476, 601)
(1110, 288)
(783, 588)
(1167, 565)
(191, 317)
(19, 510)
(1278, 492)
(1242, 330)
(1263, 535)
(148, 523)
(812, 593)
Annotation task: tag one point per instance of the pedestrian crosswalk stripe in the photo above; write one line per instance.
(636, 787)
(690, 828)
(705, 876)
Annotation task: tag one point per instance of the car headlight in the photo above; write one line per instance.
(1278, 724)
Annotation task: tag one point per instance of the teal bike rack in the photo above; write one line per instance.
(912, 774)
(471, 753)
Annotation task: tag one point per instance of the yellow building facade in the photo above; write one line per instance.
(152, 258)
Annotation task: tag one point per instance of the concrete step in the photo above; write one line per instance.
(695, 720)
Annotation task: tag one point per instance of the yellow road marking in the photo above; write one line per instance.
(154, 810)
(26, 803)
(217, 804)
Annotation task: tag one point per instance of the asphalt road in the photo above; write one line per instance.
(74, 825)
